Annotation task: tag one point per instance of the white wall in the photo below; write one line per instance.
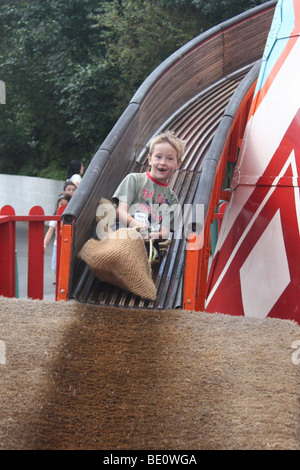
(24, 192)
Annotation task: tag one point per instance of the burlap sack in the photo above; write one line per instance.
(121, 260)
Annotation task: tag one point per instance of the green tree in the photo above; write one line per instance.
(71, 67)
(213, 12)
(146, 34)
(43, 43)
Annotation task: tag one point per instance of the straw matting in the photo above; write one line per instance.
(87, 377)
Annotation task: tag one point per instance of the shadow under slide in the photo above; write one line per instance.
(189, 93)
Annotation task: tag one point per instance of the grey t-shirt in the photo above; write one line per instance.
(148, 197)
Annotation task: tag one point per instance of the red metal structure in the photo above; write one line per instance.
(255, 269)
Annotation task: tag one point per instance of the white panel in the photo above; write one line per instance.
(265, 273)
(272, 118)
(24, 192)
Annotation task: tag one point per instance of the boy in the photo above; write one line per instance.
(144, 200)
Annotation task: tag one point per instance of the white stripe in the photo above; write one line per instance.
(267, 127)
(272, 118)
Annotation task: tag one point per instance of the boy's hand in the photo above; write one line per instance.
(136, 223)
(163, 234)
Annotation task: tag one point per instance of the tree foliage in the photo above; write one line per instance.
(71, 67)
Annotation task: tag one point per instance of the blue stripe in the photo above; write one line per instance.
(282, 26)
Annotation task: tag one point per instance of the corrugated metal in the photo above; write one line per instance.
(188, 93)
(196, 124)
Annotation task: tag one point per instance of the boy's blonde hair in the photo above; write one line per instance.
(172, 139)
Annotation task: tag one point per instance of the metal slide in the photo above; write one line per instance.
(189, 94)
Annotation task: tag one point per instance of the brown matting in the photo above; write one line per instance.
(78, 376)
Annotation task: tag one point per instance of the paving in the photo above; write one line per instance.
(22, 264)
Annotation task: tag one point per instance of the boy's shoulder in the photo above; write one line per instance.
(139, 179)
(136, 176)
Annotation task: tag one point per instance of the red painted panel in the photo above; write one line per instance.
(8, 253)
(36, 255)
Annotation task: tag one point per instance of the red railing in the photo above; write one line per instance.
(36, 220)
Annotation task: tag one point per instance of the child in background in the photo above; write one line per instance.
(144, 199)
(75, 171)
(69, 187)
(62, 200)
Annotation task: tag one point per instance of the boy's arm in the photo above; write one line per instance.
(48, 236)
(125, 218)
(168, 212)
(125, 191)
(163, 234)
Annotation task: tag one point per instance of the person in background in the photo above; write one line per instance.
(63, 199)
(69, 187)
(75, 171)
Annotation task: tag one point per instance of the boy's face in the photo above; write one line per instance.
(163, 161)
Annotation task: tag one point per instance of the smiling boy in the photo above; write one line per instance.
(145, 199)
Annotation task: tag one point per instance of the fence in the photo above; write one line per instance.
(36, 220)
(64, 233)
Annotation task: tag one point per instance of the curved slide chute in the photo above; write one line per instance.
(188, 93)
